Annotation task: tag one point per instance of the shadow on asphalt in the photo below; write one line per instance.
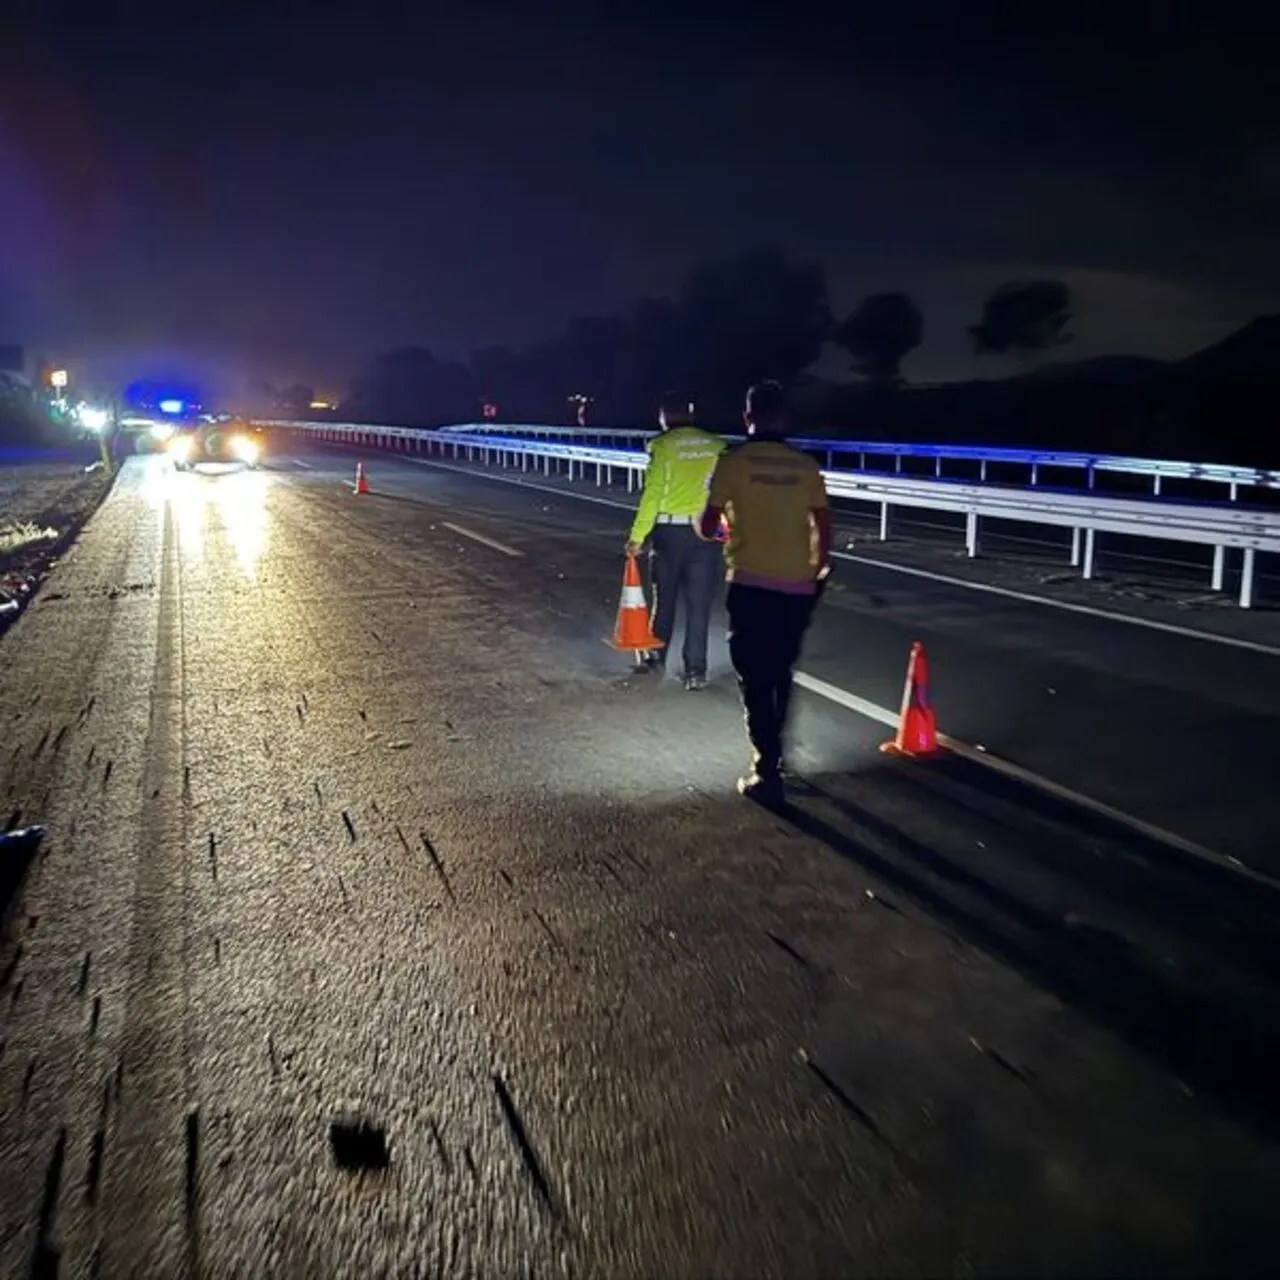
(1216, 1036)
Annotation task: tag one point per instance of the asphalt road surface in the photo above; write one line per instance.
(352, 816)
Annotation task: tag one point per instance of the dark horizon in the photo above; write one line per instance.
(287, 199)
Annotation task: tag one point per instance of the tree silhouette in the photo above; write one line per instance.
(297, 398)
(1023, 316)
(756, 315)
(737, 320)
(410, 385)
(598, 358)
(660, 357)
(261, 393)
(879, 333)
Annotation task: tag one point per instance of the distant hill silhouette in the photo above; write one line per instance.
(1098, 368)
(1251, 353)
(1217, 405)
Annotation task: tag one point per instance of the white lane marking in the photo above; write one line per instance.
(978, 755)
(1140, 825)
(479, 537)
(1152, 624)
(846, 699)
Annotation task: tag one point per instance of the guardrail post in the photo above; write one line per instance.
(937, 466)
(971, 534)
(884, 522)
(1235, 490)
(1090, 538)
(1035, 472)
(1155, 486)
(1219, 565)
(1089, 476)
(1246, 579)
(862, 459)
(631, 479)
(982, 471)
(1075, 547)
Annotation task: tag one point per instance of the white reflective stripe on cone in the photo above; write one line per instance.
(633, 597)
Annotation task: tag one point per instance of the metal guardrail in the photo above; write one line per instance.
(1217, 525)
(1035, 460)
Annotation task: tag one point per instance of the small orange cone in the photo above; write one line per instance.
(632, 633)
(918, 727)
(362, 480)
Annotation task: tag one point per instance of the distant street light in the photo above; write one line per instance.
(93, 418)
(58, 379)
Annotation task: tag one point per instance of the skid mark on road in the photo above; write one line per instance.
(45, 1259)
(518, 1132)
(854, 1108)
(438, 864)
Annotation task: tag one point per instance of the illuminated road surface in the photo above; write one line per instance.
(352, 813)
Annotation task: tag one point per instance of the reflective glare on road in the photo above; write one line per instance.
(215, 503)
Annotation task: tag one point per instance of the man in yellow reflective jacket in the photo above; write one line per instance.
(685, 568)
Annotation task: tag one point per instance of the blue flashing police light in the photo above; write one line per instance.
(172, 406)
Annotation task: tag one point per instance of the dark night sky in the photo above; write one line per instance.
(292, 188)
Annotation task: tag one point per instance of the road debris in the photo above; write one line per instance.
(357, 1143)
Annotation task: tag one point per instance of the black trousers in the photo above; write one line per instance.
(766, 630)
(685, 569)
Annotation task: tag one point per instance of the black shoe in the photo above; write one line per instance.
(763, 788)
(650, 662)
(693, 683)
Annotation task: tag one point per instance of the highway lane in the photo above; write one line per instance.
(349, 809)
(1141, 572)
(1179, 731)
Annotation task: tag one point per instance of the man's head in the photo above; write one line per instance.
(766, 411)
(675, 411)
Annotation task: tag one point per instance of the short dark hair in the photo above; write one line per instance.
(767, 405)
(676, 407)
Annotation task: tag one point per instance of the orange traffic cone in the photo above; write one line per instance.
(918, 727)
(632, 633)
(362, 480)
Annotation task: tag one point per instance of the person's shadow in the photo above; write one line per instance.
(1225, 1043)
